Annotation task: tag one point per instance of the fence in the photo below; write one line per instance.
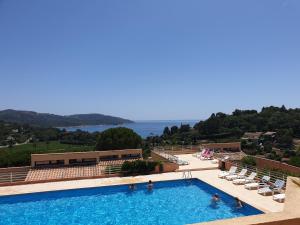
(13, 176)
(112, 169)
(274, 175)
(166, 156)
(177, 150)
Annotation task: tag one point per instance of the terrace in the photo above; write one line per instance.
(204, 170)
(101, 169)
(273, 210)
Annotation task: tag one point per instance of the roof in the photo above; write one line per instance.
(252, 135)
(270, 133)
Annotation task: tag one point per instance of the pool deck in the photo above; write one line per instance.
(264, 203)
(196, 163)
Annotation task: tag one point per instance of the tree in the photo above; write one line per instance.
(295, 161)
(285, 138)
(167, 131)
(118, 138)
(249, 160)
(174, 130)
(184, 128)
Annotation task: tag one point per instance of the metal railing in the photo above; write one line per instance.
(112, 169)
(9, 177)
(274, 175)
(177, 148)
(171, 158)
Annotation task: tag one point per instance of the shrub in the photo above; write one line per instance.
(249, 160)
(295, 161)
(138, 167)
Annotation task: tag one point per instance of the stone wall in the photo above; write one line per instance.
(170, 167)
(272, 164)
(157, 157)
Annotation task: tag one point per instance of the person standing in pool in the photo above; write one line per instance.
(150, 185)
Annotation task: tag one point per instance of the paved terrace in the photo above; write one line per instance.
(195, 163)
(263, 203)
(39, 174)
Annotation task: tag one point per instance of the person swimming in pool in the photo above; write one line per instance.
(132, 187)
(215, 198)
(238, 203)
(150, 185)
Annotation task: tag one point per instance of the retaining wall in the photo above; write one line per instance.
(272, 164)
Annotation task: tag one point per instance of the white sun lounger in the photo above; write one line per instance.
(279, 197)
(231, 171)
(182, 162)
(277, 187)
(249, 179)
(199, 154)
(214, 161)
(255, 185)
(237, 176)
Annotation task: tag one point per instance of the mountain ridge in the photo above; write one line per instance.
(53, 120)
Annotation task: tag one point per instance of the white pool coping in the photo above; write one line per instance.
(263, 203)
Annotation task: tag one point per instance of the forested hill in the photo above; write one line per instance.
(52, 120)
(221, 126)
(240, 121)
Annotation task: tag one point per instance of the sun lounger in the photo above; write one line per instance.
(237, 176)
(225, 158)
(231, 171)
(279, 197)
(208, 155)
(249, 179)
(199, 154)
(255, 185)
(276, 187)
(182, 162)
(214, 161)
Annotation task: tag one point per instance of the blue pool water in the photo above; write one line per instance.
(171, 202)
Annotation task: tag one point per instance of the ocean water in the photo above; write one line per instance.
(169, 203)
(143, 128)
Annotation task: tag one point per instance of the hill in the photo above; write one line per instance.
(271, 133)
(52, 120)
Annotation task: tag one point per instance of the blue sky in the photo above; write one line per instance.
(158, 59)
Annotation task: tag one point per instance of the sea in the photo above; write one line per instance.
(144, 128)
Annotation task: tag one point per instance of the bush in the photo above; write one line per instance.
(139, 167)
(295, 161)
(249, 160)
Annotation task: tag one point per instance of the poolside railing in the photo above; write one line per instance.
(178, 148)
(13, 176)
(169, 157)
(112, 169)
(274, 175)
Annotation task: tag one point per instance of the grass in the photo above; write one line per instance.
(20, 155)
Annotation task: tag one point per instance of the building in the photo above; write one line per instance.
(81, 158)
(252, 135)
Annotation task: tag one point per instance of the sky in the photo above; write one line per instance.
(154, 60)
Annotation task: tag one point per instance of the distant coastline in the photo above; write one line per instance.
(52, 120)
(144, 128)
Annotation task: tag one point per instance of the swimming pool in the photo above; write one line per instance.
(175, 202)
